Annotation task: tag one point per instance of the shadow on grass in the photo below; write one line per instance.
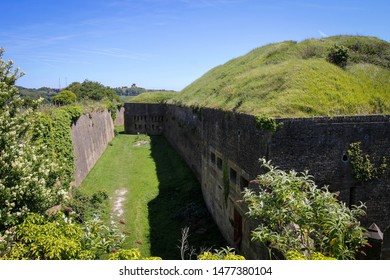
(179, 204)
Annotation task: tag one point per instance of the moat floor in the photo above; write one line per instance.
(153, 195)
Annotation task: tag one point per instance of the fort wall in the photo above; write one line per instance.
(90, 134)
(223, 150)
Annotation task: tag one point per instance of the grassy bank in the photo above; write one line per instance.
(162, 196)
(295, 79)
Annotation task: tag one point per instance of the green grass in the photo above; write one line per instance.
(291, 79)
(154, 97)
(163, 195)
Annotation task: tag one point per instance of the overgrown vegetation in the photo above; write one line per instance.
(225, 254)
(362, 167)
(92, 90)
(36, 170)
(298, 218)
(165, 196)
(338, 55)
(267, 123)
(291, 79)
(65, 97)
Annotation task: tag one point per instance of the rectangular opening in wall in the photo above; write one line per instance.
(233, 176)
(212, 158)
(219, 163)
(244, 183)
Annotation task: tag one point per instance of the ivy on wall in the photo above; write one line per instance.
(362, 167)
(54, 131)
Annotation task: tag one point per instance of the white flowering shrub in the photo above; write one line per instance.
(36, 169)
(29, 178)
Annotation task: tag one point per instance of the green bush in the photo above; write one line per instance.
(132, 254)
(65, 97)
(221, 254)
(295, 255)
(362, 168)
(30, 174)
(58, 238)
(267, 123)
(296, 215)
(338, 55)
(38, 238)
(88, 206)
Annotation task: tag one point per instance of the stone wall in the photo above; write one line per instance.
(144, 118)
(220, 145)
(91, 135)
(120, 117)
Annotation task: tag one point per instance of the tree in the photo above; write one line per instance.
(295, 215)
(92, 90)
(65, 97)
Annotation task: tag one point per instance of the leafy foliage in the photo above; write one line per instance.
(92, 90)
(221, 254)
(267, 123)
(57, 238)
(295, 215)
(295, 255)
(131, 254)
(362, 167)
(30, 94)
(29, 179)
(338, 55)
(36, 169)
(65, 97)
(129, 91)
(87, 206)
(40, 239)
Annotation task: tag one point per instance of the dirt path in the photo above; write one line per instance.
(119, 199)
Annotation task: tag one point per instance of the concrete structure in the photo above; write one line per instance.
(225, 147)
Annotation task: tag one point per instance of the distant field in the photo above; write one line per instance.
(291, 79)
(162, 196)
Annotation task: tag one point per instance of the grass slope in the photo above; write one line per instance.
(163, 195)
(295, 79)
(159, 96)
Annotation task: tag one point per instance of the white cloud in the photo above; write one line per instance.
(323, 34)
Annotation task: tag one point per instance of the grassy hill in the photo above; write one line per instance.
(296, 79)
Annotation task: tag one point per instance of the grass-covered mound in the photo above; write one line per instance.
(157, 96)
(297, 79)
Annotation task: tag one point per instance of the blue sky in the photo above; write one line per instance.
(164, 44)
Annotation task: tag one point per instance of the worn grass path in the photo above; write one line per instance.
(162, 196)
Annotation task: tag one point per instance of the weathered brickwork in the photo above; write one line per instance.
(223, 149)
